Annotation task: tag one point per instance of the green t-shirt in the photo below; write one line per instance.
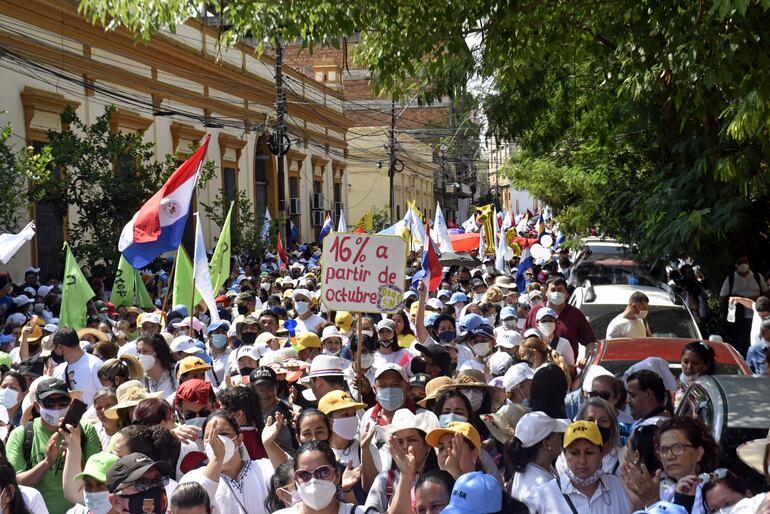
(50, 486)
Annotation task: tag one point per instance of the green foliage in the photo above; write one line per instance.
(246, 229)
(16, 168)
(106, 177)
(381, 219)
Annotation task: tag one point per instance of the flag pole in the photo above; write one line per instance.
(192, 300)
(359, 371)
(168, 287)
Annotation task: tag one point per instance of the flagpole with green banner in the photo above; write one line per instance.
(220, 261)
(123, 287)
(76, 292)
(183, 280)
(143, 298)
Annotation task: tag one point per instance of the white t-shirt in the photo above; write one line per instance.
(350, 454)
(243, 496)
(747, 286)
(402, 357)
(754, 336)
(82, 375)
(33, 500)
(622, 327)
(525, 482)
(345, 508)
(129, 348)
(312, 324)
(564, 349)
(609, 497)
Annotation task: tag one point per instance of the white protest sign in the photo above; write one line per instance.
(363, 272)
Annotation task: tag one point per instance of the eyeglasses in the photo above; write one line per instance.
(604, 395)
(676, 449)
(717, 474)
(324, 472)
(52, 403)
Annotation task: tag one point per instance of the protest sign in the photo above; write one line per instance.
(363, 272)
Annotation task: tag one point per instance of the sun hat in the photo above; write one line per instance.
(97, 466)
(582, 429)
(433, 388)
(338, 400)
(325, 366)
(505, 282)
(468, 378)
(502, 424)
(332, 331)
(475, 493)
(657, 365)
(467, 430)
(533, 427)
(593, 372)
(129, 394)
(752, 453)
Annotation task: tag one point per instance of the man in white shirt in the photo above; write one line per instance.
(630, 322)
(746, 284)
(307, 320)
(79, 368)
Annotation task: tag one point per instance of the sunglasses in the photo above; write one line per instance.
(144, 485)
(717, 474)
(604, 395)
(324, 472)
(52, 403)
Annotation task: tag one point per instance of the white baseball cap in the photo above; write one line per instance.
(533, 427)
(517, 374)
(508, 339)
(391, 367)
(499, 362)
(183, 344)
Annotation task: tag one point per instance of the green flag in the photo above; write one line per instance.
(220, 261)
(183, 280)
(75, 294)
(143, 298)
(123, 287)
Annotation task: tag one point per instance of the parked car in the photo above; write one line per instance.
(668, 315)
(605, 262)
(617, 355)
(736, 409)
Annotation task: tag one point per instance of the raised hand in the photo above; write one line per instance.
(272, 428)
(350, 477)
(405, 460)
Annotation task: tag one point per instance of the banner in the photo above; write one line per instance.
(143, 298)
(75, 294)
(123, 287)
(201, 274)
(183, 280)
(10, 243)
(220, 261)
(363, 272)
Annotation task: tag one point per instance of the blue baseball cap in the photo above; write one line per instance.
(508, 312)
(470, 322)
(546, 311)
(5, 338)
(430, 318)
(661, 507)
(458, 297)
(219, 324)
(475, 493)
(181, 309)
(444, 292)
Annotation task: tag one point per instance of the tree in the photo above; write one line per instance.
(16, 169)
(246, 228)
(106, 176)
(648, 120)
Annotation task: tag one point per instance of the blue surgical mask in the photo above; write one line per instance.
(219, 340)
(391, 398)
(445, 419)
(447, 336)
(98, 502)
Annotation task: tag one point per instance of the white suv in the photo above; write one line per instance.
(668, 315)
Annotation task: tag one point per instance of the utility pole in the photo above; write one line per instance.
(279, 142)
(392, 158)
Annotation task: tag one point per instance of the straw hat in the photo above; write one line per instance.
(469, 378)
(502, 424)
(129, 395)
(98, 334)
(433, 388)
(752, 453)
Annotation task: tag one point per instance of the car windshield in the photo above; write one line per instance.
(601, 274)
(664, 321)
(618, 368)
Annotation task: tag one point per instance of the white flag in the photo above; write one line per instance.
(341, 225)
(201, 274)
(482, 243)
(266, 227)
(440, 232)
(10, 243)
(469, 225)
(500, 250)
(418, 229)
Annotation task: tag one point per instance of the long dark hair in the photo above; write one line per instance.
(283, 476)
(704, 353)
(190, 495)
(405, 320)
(519, 455)
(549, 388)
(162, 351)
(8, 478)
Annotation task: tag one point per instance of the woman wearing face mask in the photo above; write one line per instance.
(538, 442)
(409, 451)
(90, 485)
(367, 365)
(697, 360)
(546, 324)
(233, 481)
(603, 414)
(316, 482)
(15, 498)
(155, 358)
(388, 351)
(218, 348)
(13, 389)
(584, 487)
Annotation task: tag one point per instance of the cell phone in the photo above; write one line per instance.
(33, 321)
(74, 414)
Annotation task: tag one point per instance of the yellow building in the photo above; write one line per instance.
(367, 173)
(174, 90)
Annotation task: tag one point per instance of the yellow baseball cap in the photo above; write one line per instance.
(337, 400)
(189, 364)
(456, 427)
(582, 429)
(308, 340)
(343, 320)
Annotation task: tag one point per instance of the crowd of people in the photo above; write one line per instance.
(475, 398)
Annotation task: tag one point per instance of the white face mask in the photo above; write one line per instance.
(98, 502)
(147, 361)
(481, 349)
(346, 428)
(327, 352)
(369, 333)
(317, 494)
(8, 397)
(52, 416)
(301, 307)
(520, 323)
(547, 328)
(120, 334)
(229, 448)
(642, 314)
(511, 324)
(367, 359)
(477, 297)
(557, 298)
(742, 268)
(474, 396)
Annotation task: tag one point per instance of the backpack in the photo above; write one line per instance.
(26, 448)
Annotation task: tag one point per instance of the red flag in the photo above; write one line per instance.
(282, 260)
